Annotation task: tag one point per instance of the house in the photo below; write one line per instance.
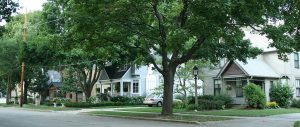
(127, 80)
(267, 69)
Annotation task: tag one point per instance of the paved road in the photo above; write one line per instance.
(14, 117)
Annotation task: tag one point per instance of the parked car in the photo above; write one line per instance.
(156, 100)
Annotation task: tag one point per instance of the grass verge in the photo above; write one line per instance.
(297, 124)
(229, 112)
(156, 116)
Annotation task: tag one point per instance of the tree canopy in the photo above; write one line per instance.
(176, 31)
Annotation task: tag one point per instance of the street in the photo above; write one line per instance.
(13, 117)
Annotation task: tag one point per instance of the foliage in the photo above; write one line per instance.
(91, 100)
(282, 94)
(254, 96)
(225, 99)
(272, 105)
(70, 81)
(179, 105)
(7, 7)
(295, 103)
(192, 107)
(129, 100)
(297, 124)
(87, 105)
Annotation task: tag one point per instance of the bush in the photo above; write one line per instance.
(129, 100)
(210, 104)
(295, 103)
(87, 105)
(254, 95)
(225, 99)
(282, 94)
(192, 107)
(272, 105)
(92, 100)
(178, 105)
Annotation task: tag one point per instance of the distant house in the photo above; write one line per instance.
(54, 83)
(127, 81)
(266, 70)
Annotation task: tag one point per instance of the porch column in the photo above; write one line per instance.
(121, 88)
(111, 88)
(131, 88)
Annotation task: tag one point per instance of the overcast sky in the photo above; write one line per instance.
(256, 39)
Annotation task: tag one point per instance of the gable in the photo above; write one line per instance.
(233, 69)
(103, 75)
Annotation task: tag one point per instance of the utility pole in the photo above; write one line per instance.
(23, 64)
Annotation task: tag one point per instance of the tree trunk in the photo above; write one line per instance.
(168, 91)
(25, 92)
(8, 94)
(87, 94)
(76, 96)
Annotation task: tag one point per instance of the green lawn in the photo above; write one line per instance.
(48, 108)
(158, 116)
(297, 124)
(40, 107)
(230, 112)
(152, 109)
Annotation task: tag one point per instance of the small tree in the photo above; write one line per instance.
(282, 94)
(254, 95)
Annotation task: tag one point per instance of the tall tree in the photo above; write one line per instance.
(37, 52)
(7, 7)
(80, 41)
(176, 31)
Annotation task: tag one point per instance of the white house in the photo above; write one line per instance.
(267, 69)
(127, 81)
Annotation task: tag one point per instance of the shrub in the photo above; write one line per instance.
(295, 103)
(178, 105)
(87, 105)
(210, 104)
(92, 100)
(254, 95)
(192, 107)
(129, 100)
(226, 99)
(282, 94)
(272, 105)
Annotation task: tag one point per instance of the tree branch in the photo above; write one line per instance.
(185, 57)
(183, 14)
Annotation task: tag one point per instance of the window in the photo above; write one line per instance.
(297, 84)
(239, 88)
(217, 87)
(135, 86)
(296, 60)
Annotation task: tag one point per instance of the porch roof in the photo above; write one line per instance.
(253, 67)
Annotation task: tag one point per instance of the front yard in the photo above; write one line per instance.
(229, 112)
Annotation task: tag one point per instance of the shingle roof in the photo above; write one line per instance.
(114, 73)
(257, 68)
(56, 84)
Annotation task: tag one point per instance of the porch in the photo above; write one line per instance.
(114, 88)
(234, 87)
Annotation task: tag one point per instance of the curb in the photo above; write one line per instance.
(144, 118)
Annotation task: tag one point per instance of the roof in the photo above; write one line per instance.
(255, 68)
(56, 84)
(114, 72)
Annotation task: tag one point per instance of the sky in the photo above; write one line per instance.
(256, 39)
